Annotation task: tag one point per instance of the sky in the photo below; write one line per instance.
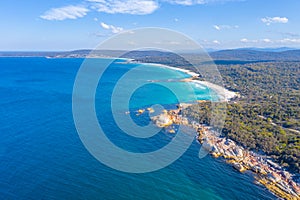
(43, 25)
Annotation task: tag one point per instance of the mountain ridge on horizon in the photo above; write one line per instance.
(263, 49)
(253, 53)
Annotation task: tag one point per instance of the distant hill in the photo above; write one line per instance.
(235, 55)
(278, 54)
(280, 49)
(254, 55)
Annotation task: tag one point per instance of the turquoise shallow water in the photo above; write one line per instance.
(42, 157)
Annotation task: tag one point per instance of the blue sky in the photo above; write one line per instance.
(77, 24)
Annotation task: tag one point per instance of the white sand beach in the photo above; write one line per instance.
(223, 93)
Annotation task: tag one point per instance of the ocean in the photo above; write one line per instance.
(42, 156)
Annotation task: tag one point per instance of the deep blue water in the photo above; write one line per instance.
(42, 157)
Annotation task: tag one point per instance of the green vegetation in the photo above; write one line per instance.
(244, 126)
(270, 89)
(267, 115)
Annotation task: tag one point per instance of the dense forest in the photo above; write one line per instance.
(267, 115)
(273, 89)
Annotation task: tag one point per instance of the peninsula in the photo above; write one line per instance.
(281, 179)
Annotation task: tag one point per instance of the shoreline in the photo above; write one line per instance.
(266, 172)
(223, 93)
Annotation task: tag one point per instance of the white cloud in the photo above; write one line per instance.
(285, 41)
(217, 27)
(270, 20)
(212, 43)
(176, 20)
(112, 28)
(266, 40)
(134, 7)
(245, 40)
(290, 41)
(195, 2)
(66, 12)
(185, 2)
(105, 26)
(221, 27)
